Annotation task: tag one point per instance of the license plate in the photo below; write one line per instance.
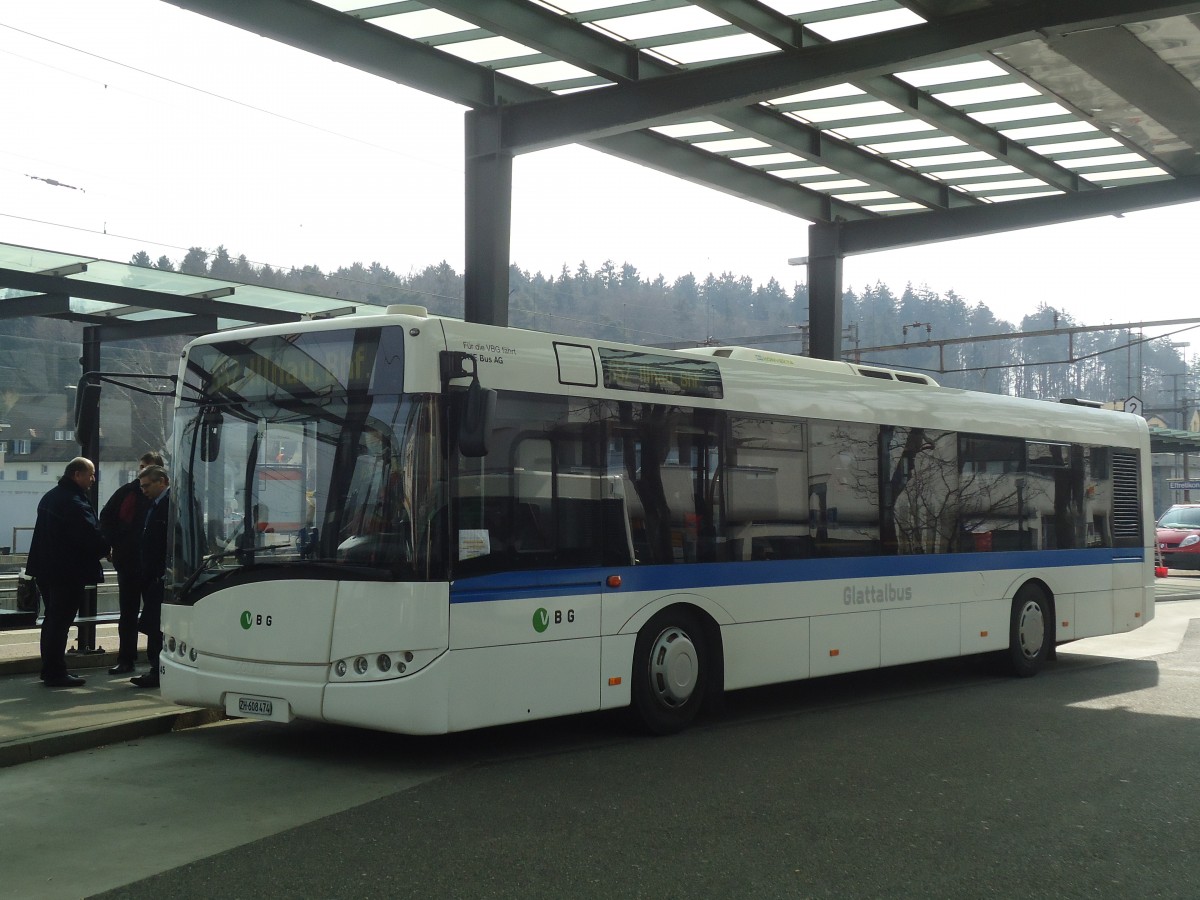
(253, 706)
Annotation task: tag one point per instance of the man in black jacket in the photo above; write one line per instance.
(64, 557)
(156, 486)
(122, 520)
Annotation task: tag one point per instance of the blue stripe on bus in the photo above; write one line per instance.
(575, 582)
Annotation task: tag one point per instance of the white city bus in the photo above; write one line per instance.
(421, 525)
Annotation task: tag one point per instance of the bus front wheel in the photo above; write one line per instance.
(671, 669)
(1031, 631)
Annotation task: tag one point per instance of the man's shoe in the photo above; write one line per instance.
(64, 680)
(149, 680)
(122, 668)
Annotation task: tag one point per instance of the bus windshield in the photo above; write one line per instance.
(304, 455)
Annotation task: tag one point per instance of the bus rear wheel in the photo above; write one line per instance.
(671, 670)
(1031, 631)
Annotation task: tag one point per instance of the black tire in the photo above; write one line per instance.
(1030, 631)
(671, 672)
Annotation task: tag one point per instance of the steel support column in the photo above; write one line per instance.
(488, 220)
(89, 444)
(825, 291)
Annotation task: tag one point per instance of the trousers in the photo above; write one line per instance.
(151, 621)
(62, 599)
(129, 593)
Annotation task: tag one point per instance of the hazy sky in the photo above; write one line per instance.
(168, 130)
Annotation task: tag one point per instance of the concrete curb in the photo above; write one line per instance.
(32, 665)
(43, 747)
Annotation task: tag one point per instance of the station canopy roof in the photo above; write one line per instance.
(1171, 440)
(847, 112)
(133, 301)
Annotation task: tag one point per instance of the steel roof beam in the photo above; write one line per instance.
(924, 228)
(172, 327)
(596, 114)
(325, 32)
(588, 49)
(37, 305)
(772, 26)
(115, 293)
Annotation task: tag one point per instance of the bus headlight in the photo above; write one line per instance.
(376, 666)
(179, 651)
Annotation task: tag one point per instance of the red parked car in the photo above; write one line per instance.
(1178, 536)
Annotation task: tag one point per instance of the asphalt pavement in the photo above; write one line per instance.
(38, 722)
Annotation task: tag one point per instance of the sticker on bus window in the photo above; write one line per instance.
(473, 542)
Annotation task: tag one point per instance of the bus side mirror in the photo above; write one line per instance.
(475, 420)
(87, 409)
(210, 434)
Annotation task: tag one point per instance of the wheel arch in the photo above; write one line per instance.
(710, 615)
(1051, 613)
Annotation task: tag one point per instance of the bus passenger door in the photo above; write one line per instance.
(525, 631)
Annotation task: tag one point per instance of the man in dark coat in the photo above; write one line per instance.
(156, 486)
(122, 520)
(64, 557)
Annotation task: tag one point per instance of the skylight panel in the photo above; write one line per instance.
(991, 94)
(1019, 113)
(422, 24)
(988, 186)
(656, 24)
(1060, 128)
(906, 206)
(690, 129)
(796, 7)
(713, 49)
(914, 146)
(905, 126)
(1145, 172)
(866, 195)
(542, 73)
(731, 145)
(486, 49)
(953, 75)
(1075, 146)
(1111, 160)
(849, 111)
(946, 159)
(978, 172)
(872, 23)
(580, 6)
(837, 185)
(804, 172)
(833, 92)
(1006, 198)
(769, 159)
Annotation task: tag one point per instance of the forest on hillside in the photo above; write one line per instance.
(619, 303)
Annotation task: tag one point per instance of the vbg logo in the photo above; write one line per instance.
(249, 620)
(541, 618)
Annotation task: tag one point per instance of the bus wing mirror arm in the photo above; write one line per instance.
(476, 407)
(475, 421)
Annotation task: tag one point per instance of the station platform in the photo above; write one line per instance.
(38, 722)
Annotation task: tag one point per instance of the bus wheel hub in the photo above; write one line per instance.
(674, 667)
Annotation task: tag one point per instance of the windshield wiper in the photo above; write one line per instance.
(241, 553)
